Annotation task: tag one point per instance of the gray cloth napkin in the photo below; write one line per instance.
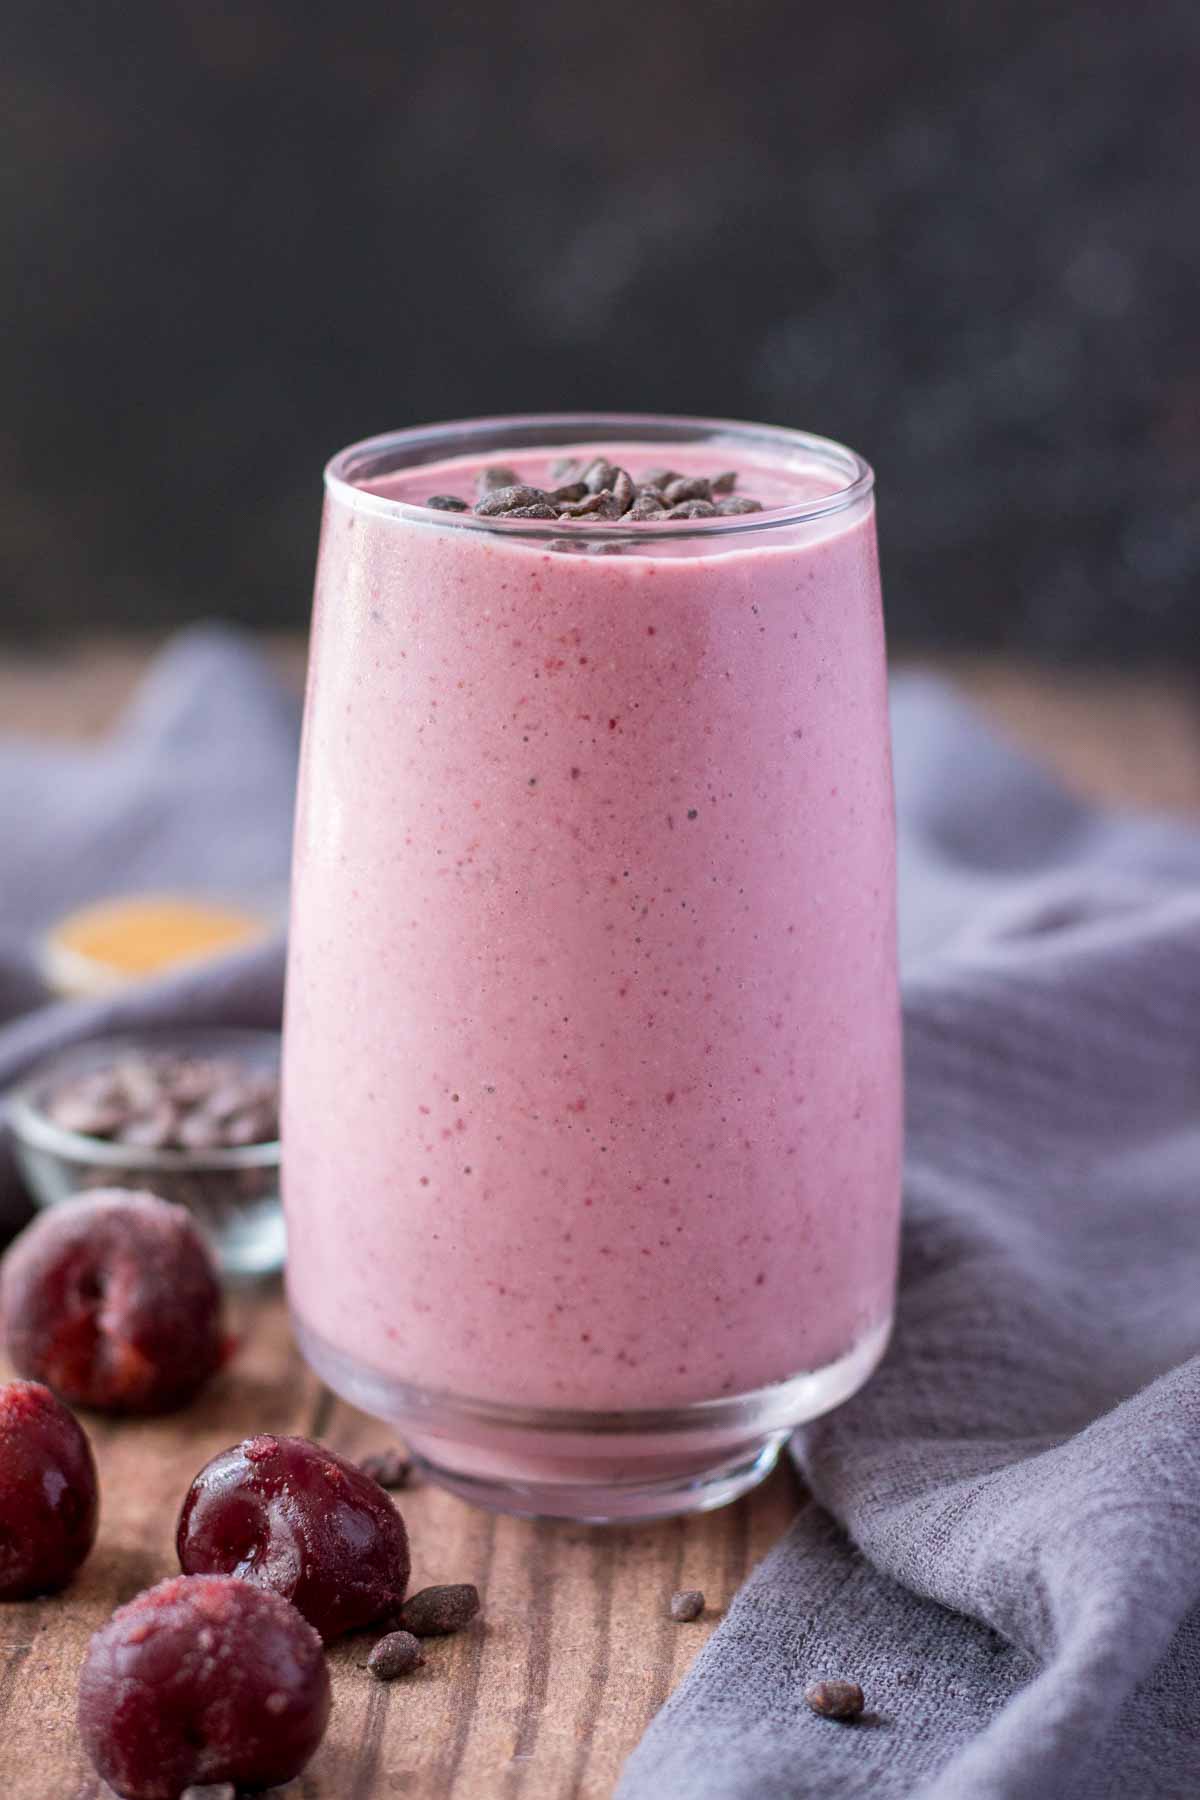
(193, 792)
(1003, 1546)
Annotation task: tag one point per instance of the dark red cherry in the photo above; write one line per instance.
(294, 1517)
(48, 1494)
(113, 1301)
(202, 1679)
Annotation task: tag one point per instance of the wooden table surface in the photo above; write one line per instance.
(545, 1696)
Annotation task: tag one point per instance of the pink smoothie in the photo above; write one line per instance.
(592, 1084)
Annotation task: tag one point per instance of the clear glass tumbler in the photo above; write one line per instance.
(592, 1091)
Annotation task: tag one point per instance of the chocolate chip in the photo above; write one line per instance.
(507, 499)
(138, 1080)
(687, 487)
(154, 1130)
(435, 1611)
(226, 1099)
(835, 1699)
(94, 1118)
(388, 1467)
(447, 503)
(397, 1654)
(693, 509)
(578, 509)
(187, 1081)
(168, 1102)
(623, 492)
(603, 491)
(582, 546)
(257, 1125)
(200, 1130)
(261, 1088)
(498, 475)
(598, 474)
(687, 1605)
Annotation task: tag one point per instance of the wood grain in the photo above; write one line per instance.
(541, 1699)
(544, 1697)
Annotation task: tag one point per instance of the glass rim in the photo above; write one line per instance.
(391, 451)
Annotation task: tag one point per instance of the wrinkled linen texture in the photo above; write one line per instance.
(1003, 1544)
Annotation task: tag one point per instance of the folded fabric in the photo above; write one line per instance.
(1003, 1546)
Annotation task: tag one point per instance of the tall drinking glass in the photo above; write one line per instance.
(592, 1117)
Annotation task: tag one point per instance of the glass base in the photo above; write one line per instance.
(613, 1502)
(596, 1467)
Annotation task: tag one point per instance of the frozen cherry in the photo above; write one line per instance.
(202, 1679)
(113, 1300)
(290, 1515)
(48, 1498)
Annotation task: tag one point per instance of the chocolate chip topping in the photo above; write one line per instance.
(697, 508)
(496, 475)
(648, 505)
(580, 509)
(600, 491)
(581, 546)
(623, 491)
(687, 487)
(500, 500)
(599, 474)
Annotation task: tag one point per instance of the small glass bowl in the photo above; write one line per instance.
(233, 1193)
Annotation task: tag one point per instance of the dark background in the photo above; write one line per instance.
(965, 238)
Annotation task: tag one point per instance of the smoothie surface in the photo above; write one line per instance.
(773, 482)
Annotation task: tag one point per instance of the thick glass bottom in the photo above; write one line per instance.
(545, 1462)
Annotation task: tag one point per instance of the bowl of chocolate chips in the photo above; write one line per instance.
(192, 1116)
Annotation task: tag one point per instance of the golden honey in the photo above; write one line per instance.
(116, 941)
